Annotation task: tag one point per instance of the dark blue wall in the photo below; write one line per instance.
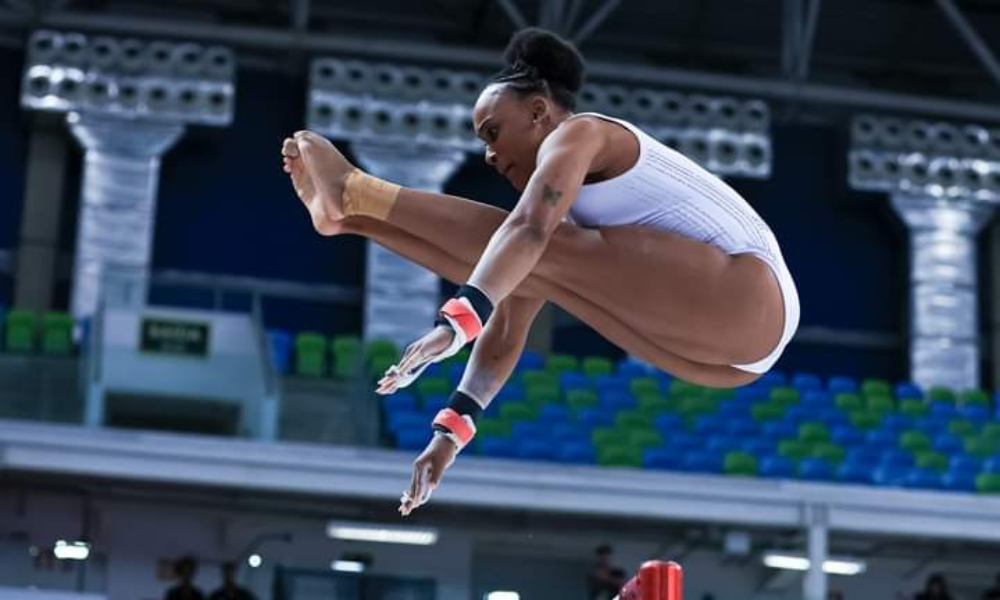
(13, 146)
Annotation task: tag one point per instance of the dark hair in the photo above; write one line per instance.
(539, 61)
(603, 550)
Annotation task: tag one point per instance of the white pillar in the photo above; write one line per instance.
(815, 582)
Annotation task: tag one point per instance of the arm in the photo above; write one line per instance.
(497, 349)
(564, 160)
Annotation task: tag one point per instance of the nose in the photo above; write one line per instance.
(491, 157)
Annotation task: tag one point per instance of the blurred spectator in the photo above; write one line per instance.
(936, 589)
(994, 592)
(230, 590)
(184, 569)
(605, 580)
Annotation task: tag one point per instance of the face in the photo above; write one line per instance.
(512, 129)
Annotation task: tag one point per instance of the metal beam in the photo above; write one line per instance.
(808, 37)
(791, 35)
(968, 33)
(490, 59)
(595, 20)
(572, 12)
(513, 13)
(300, 15)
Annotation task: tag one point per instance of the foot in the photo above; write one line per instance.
(318, 171)
(656, 580)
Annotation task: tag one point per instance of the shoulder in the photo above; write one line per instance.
(580, 135)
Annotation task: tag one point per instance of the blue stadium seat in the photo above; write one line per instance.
(571, 380)
(776, 467)
(799, 414)
(530, 359)
(665, 380)
(414, 439)
(846, 436)
(611, 383)
(965, 463)
(702, 461)
(773, 378)
(759, 447)
(751, 394)
(896, 459)
(855, 472)
(536, 450)
(561, 433)
(974, 412)
(944, 410)
(863, 455)
(511, 391)
(806, 382)
(398, 422)
(722, 443)
(891, 476)
(402, 401)
(885, 438)
(778, 430)
(909, 390)
(815, 469)
(661, 458)
(931, 425)
(455, 373)
(740, 428)
(734, 409)
(816, 399)
(682, 443)
(632, 367)
(596, 416)
(617, 399)
(842, 385)
(497, 446)
(923, 479)
(522, 431)
(576, 452)
(897, 422)
(279, 340)
(833, 417)
(435, 402)
(707, 426)
(962, 481)
(434, 370)
(668, 423)
(948, 443)
(554, 413)
(992, 465)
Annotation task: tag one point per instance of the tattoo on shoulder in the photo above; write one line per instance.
(550, 195)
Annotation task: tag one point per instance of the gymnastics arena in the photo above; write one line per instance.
(499, 300)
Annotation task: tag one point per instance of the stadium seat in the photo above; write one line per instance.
(593, 366)
(535, 449)
(310, 354)
(863, 419)
(896, 459)
(815, 469)
(740, 464)
(554, 413)
(974, 396)
(20, 331)
(908, 390)
(518, 411)
(875, 387)
(596, 416)
(722, 443)
(807, 382)
(661, 458)
(891, 476)
(560, 363)
(988, 483)
(913, 408)
(813, 432)
(627, 367)
(434, 403)
(842, 385)
(496, 446)
(617, 400)
(576, 453)
(529, 360)
(759, 447)
(427, 386)
(702, 461)
(960, 481)
(848, 401)
(776, 467)
(941, 394)
(572, 380)
(57, 334)
(854, 472)
(619, 455)
(345, 351)
(934, 461)
(494, 428)
(279, 344)
(846, 436)
(414, 439)
(923, 479)
(948, 443)
(577, 400)
(401, 401)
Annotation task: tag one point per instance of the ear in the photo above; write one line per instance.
(540, 109)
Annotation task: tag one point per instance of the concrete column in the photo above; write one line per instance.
(402, 298)
(814, 585)
(944, 319)
(38, 244)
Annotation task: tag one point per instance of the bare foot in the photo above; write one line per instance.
(318, 171)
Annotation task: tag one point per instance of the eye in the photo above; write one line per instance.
(491, 134)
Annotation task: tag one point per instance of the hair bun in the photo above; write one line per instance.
(555, 59)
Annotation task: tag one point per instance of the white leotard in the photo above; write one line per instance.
(666, 190)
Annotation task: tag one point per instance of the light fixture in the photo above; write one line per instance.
(831, 566)
(348, 566)
(503, 595)
(255, 560)
(71, 550)
(386, 534)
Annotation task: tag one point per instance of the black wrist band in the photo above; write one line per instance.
(480, 302)
(464, 405)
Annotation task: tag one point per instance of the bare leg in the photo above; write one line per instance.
(715, 308)
(607, 324)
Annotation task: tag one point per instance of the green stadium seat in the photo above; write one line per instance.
(608, 436)
(991, 431)
(57, 334)
(539, 395)
(310, 354)
(536, 377)
(932, 460)
(381, 347)
(594, 366)
(685, 389)
(580, 399)
(913, 408)
(560, 363)
(962, 428)
(814, 432)
(345, 351)
(493, 428)
(631, 419)
(644, 385)
(740, 464)
(517, 411)
(975, 396)
(940, 393)
(875, 387)
(429, 386)
(21, 331)
(833, 453)
(644, 438)
(721, 393)
(981, 447)
(619, 456)
(794, 449)
(651, 406)
(880, 404)
(786, 396)
(863, 419)
(694, 405)
(848, 402)
(988, 483)
(915, 441)
(767, 412)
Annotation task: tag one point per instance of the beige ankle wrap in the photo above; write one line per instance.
(368, 196)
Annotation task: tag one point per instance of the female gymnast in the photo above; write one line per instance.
(647, 247)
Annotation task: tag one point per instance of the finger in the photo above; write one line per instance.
(289, 148)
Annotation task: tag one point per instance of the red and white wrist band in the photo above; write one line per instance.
(466, 314)
(458, 428)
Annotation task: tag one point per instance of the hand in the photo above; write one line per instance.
(428, 469)
(417, 357)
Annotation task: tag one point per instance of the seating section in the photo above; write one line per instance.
(28, 332)
(591, 411)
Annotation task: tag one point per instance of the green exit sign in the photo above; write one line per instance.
(169, 336)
